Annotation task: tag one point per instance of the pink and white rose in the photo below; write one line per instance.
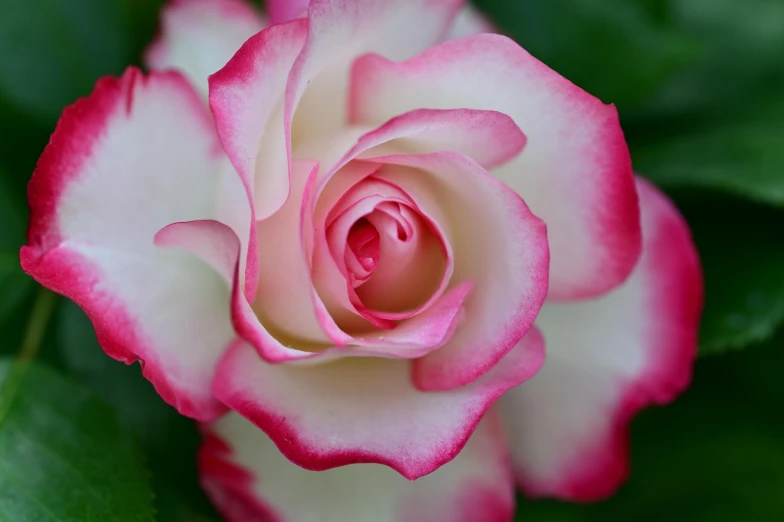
(355, 225)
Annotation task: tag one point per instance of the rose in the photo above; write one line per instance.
(352, 279)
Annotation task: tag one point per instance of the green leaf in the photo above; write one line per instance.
(63, 454)
(42, 70)
(51, 53)
(740, 153)
(742, 254)
(739, 52)
(22, 144)
(715, 455)
(54, 50)
(169, 439)
(14, 283)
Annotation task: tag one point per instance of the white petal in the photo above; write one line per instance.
(137, 155)
(575, 172)
(197, 37)
(607, 358)
(250, 481)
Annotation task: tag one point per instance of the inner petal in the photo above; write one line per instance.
(392, 257)
(362, 251)
(411, 264)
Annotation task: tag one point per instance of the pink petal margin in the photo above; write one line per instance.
(250, 481)
(62, 269)
(243, 97)
(229, 486)
(576, 172)
(674, 280)
(320, 419)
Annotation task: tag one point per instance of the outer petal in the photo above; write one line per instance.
(198, 37)
(218, 246)
(606, 359)
(136, 155)
(250, 481)
(246, 98)
(575, 172)
(362, 411)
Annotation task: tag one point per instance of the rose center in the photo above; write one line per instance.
(362, 254)
(392, 257)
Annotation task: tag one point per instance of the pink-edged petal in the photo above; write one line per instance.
(413, 338)
(246, 98)
(575, 172)
(286, 300)
(285, 10)
(490, 138)
(469, 21)
(509, 286)
(218, 246)
(338, 32)
(329, 281)
(248, 327)
(606, 359)
(288, 303)
(197, 37)
(249, 480)
(209, 240)
(241, 219)
(423, 333)
(363, 410)
(136, 155)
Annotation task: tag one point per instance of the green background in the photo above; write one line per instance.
(700, 88)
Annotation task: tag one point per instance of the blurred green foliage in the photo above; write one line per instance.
(742, 252)
(169, 440)
(63, 454)
(700, 88)
(13, 282)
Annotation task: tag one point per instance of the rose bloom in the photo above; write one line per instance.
(338, 235)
